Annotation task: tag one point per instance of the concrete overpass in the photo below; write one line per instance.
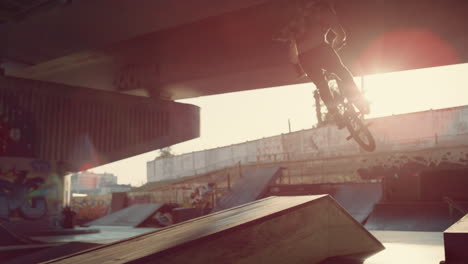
(176, 49)
(69, 67)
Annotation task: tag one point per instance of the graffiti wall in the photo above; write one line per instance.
(194, 192)
(187, 195)
(91, 207)
(198, 192)
(404, 173)
(29, 189)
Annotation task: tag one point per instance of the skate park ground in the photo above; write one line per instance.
(400, 246)
(413, 247)
(410, 232)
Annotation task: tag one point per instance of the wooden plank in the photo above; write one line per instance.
(301, 229)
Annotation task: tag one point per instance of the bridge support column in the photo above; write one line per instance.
(48, 130)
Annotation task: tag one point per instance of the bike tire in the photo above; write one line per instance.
(361, 135)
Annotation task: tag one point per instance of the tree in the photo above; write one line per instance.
(165, 153)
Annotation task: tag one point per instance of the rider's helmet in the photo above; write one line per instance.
(326, 4)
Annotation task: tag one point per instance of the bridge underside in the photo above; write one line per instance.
(82, 128)
(181, 51)
(48, 130)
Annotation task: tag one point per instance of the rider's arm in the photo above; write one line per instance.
(334, 25)
(293, 52)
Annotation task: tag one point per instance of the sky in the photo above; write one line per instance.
(237, 117)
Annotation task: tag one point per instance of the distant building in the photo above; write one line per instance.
(96, 183)
(115, 188)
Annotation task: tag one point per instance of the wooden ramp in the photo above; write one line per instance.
(456, 242)
(252, 185)
(297, 229)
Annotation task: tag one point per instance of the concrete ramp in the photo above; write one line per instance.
(52, 252)
(410, 217)
(298, 229)
(132, 216)
(252, 186)
(10, 238)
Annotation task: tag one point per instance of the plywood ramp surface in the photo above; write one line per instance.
(298, 229)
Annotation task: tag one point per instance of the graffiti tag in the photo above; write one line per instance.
(88, 209)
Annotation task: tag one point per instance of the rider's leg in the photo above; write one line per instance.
(351, 90)
(310, 64)
(299, 71)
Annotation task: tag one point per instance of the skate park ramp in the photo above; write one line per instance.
(456, 241)
(13, 244)
(132, 216)
(296, 229)
(428, 216)
(358, 199)
(52, 252)
(10, 238)
(251, 186)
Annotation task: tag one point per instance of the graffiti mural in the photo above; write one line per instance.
(16, 196)
(203, 196)
(28, 193)
(90, 208)
(406, 175)
(412, 163)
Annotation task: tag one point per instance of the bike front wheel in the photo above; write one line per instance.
(360, 132)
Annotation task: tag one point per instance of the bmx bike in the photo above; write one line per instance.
(348, 114)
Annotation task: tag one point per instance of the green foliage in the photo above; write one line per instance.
(165, 153)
